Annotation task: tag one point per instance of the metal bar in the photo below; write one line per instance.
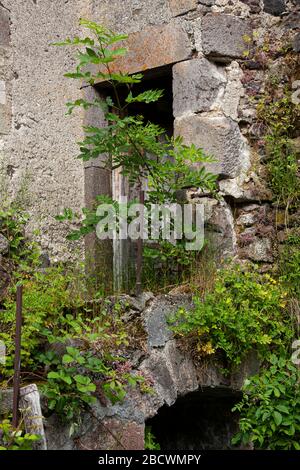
(17, 364)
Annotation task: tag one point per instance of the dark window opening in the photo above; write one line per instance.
(160, 112)
(200, 420)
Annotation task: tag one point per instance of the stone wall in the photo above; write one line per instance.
(212, 89)
(215, 88)
(37, 141)
(170, 371)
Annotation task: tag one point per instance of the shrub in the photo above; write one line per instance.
(270, 408)
(246, 310)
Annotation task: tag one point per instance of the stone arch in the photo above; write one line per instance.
(174, 377)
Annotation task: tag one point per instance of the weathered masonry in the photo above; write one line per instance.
(199, 44)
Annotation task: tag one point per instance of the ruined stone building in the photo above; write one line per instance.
(204, 53)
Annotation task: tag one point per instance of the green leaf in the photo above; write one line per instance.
(67, 359)
(66, 379)
(277, 417)
(53, 375)
(148, 96)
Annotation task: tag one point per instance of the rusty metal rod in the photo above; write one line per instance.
(17, 364)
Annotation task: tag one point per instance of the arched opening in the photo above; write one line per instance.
(200, 420)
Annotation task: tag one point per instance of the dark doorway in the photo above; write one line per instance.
(160, 112)
(200, 420)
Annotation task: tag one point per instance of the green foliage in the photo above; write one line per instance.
(55, 311)
(49, 300)
(150, 443)
(141, 149)
(270, 408)
(71, 381)
(15, 439)
(245, 311)
(130, 142)
(280, 116)
(22, 252)
(167, 264)
(289, 264)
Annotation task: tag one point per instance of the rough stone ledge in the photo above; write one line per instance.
(172, 44)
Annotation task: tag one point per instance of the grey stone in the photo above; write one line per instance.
(296, 43)
(220, 138)
(172, 44)
(208, 3)
(182, 369)
(260, 250)
(6, 401)
(156, 316)
(58, 434)
(292, 21)
(129, 15)
(246, 219)
(274, 7)
(2, 92)
(222, 36)
(249, 366)
(178, 7)
(196, 85)
(4, 245)
(4, 27)
(219, 230)
(254, 5)
(157, 367)
(246, 188)
(233, 92)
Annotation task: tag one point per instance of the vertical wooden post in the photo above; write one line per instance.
(17, 363)
(32, 414)
(139, 256)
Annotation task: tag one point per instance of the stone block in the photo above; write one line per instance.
(220, 138)
(196, 86)
(296, 43)
(154, 47)
(219, 228)
(222, 36)
(113, 434)
(6, 401)
(5, 109)
(178, 7)
(246, 188)
(259, 250)
(4, 245)
(5, 119)
(274, 7)
(254, 5)
(208, 3)
(4, 27)
(2, 92)
(156, 315)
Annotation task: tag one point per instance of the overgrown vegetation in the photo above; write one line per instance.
(57, 316)
(150, 443)
(248, 311)
(270, 409)
(15, 439)
(76, 348)
(280, 117)
(141, 149)
(245, 311)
